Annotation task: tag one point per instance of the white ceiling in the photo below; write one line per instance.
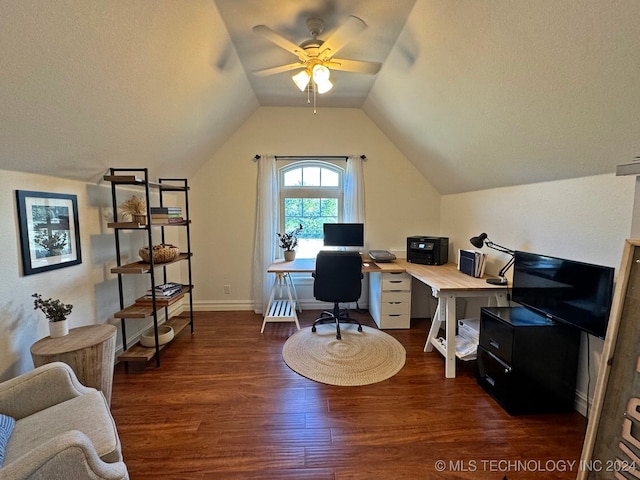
(476, 94)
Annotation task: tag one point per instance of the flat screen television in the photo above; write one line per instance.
(566, 291)
(343, 234)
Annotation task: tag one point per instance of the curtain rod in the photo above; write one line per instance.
(310, 157)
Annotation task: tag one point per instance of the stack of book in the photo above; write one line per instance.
(166, 290)
(166, 215)
(471, 262)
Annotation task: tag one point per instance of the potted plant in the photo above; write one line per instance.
(289, 241)
(136, 207)
(56, 312)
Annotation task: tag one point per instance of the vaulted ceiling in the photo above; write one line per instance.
(477, 94)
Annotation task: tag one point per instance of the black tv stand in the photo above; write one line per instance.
(527, 362)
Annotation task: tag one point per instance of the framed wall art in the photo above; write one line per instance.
(49, 232)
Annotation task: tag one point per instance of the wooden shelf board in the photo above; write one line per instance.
(138, 353)
(135, 311)
(143, 267)
(134, 225)
(161, 301)
(124, 179)
(139, 226)
(137, 267)
(135, 180)
(144, 308)
(172, 224)
(173, 188)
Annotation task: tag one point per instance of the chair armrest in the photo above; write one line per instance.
(40, 388)
(69, 455)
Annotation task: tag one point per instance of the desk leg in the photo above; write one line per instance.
(445, 313)
(436, 323)
(501, 300)
(292, 286)
(450, 359)
(281, 310)
(269, 303)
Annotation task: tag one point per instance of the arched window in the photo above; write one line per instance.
(311, 193)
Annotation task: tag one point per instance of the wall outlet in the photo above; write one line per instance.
(227, 289)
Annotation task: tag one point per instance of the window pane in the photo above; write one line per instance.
(292, 207)
(293, 178)
(311, 213)
(311, 177)
(311, 207)
(330, 178)
(329, 208)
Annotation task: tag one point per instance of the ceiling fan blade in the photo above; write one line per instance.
(357, 66)
(282, 68)
(341, 36)
(281, 41)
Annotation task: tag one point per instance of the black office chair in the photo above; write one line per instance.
(337, 279)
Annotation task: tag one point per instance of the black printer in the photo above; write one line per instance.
(428, 250)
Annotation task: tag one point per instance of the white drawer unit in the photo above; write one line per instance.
(390, 299)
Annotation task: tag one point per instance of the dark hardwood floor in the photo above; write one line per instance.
(223, 405)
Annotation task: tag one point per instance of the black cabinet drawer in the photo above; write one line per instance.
(494, 375)
(497, 338)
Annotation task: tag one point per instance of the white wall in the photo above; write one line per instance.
(585, 219)
(399, 200)
(83, 285)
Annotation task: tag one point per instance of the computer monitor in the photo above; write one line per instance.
(343, 234)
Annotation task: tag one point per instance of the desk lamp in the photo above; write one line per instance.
(481, 240)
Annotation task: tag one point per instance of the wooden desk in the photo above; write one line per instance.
(446, 282)
(308, 265)
(89, 351)
(283, 308)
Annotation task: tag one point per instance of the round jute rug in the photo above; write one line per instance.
(359, 358)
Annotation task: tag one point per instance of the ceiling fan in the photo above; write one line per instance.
(316, 57)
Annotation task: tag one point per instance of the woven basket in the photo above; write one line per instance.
(161, 253)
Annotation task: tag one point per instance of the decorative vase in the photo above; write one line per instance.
(289, 255)
(137, 218)
(59, 329)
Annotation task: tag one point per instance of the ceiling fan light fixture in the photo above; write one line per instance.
(321, 76)
(321, 73)
(324, 86)
(301, 79)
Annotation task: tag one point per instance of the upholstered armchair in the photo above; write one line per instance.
(63, 430)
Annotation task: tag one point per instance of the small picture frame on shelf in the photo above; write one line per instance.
(49, 231)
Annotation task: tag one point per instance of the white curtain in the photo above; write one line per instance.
(353, 211)
(265, 244)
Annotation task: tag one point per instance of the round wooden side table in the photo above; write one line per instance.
(89, 351)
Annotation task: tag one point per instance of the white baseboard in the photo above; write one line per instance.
(242, 305)
(222, 305)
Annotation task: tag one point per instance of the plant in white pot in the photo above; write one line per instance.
(56, 312)
(289, 241)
